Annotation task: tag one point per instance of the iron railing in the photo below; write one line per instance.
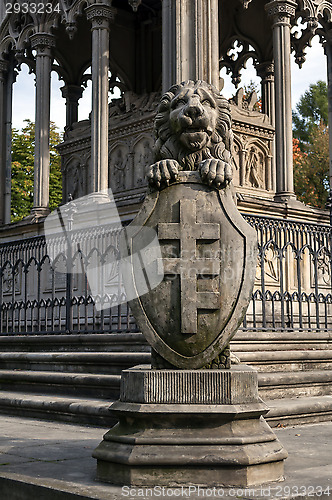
(292, 289)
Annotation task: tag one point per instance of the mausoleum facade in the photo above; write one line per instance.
(141, 48)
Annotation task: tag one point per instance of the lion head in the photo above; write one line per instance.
(193, 123)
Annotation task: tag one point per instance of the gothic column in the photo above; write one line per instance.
(100, 16)
(72, 94)
(3, 88)
(190, 41)
(265, 71)
(328, 53)
(280, 12)
(42, 43)
(7, 78)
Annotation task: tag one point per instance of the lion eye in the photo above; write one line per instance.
(179, 102)
(207, 102)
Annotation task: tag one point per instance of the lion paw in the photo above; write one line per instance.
(162, 173)
(216, 173)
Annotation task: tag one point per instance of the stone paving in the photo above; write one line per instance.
(48, 460)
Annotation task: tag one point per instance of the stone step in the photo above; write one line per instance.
(77, 362)
(279, 385)
(297, 345)
(109, 342)
(66, 409)
(295, 360)
(288, 411)
(71, 384)
(282, 336)
(271, 341)
(296, 411)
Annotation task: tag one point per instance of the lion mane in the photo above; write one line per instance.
(167, 145)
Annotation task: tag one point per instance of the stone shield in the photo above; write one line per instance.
(209, 257)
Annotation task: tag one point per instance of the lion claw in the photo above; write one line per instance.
(162, 173)
(216, 173)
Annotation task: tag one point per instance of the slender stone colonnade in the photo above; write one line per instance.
(190, 50)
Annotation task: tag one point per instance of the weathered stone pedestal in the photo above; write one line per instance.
(183, 427)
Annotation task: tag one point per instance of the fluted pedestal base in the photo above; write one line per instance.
(182, 427)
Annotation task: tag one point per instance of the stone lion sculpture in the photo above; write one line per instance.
(193, 130)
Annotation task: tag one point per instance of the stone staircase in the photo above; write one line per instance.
(75, 378)
(295, 373)
(72, 378)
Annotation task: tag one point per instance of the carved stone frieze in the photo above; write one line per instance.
(128, 160)
(131, 141)
(133, 106)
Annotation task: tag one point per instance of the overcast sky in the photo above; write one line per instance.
(314, 69)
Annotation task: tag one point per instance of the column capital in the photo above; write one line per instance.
(281, 11)
(72, 92)
(42, 43)
(265, 71)
(100, 15)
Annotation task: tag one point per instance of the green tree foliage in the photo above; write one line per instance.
(311, 168)
(311, 146)
(311, 110)
(23, 143)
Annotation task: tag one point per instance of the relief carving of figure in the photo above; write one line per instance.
(119, 163)
(143, 153)
(75, 179)
(193, 129)
(254, 169)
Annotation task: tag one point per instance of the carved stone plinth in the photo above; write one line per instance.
(182, 427)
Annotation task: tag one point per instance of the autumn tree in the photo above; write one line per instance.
(23, 143)
(311, 111)
(311, 146)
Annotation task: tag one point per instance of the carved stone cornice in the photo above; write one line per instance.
(253, 130)
(281, 11)
(42, 43)
(100, 15)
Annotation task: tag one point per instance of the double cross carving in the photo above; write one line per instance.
(188, 266)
